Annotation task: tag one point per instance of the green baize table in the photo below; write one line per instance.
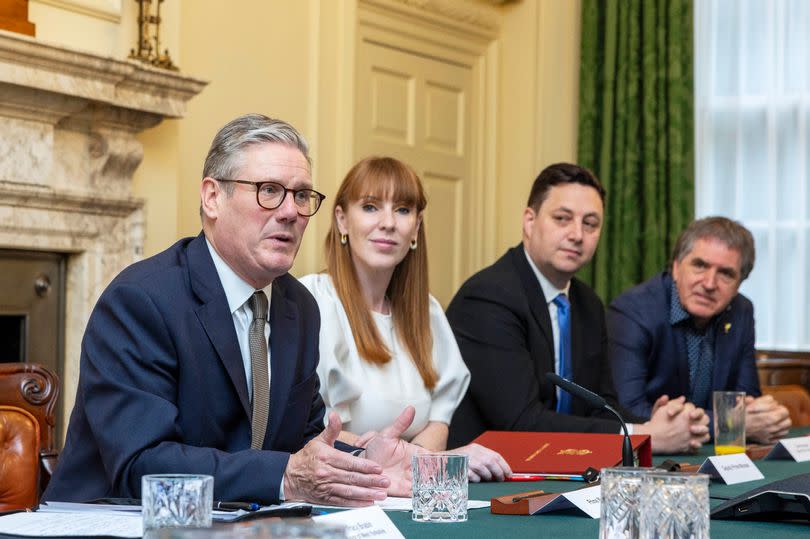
(482, 523)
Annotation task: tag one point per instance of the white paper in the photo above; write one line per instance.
(50, 524)
(73, 507)
(588, 500)
(797, 449)
(366, 522)
(393, 503)
(113, 509)
(731, 469)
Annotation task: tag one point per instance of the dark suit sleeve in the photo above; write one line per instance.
(492, 336)
(629, 347)
(315, 422)
(748, 379)
(130, 394)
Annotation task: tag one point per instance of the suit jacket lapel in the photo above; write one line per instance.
(534, 294)
(215, 316)
(284, 336)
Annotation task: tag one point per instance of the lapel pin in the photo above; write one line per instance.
(727, 327)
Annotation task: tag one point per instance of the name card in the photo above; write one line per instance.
(731, 469)
(587, 500)
(797, 449)
(364, 522)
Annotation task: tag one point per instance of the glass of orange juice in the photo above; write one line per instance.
(729, 422)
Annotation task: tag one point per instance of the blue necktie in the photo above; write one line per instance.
(566, 371)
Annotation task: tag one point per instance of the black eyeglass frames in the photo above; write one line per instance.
(270, 195)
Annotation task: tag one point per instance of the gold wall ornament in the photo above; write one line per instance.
(149, 45)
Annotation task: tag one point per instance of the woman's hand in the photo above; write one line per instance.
(484, 463)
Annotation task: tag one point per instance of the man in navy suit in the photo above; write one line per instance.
(167, 363)
(510, 328)
(689, 331)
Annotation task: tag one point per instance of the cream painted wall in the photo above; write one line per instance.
(69, 23)
(105, 27)
(157, 182)
(258, 60)
(539, 101)
(558, 88)
(275, 57)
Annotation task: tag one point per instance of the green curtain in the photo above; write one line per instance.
(636, 132)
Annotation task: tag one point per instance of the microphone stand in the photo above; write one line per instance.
(596, 401)
(627, 446)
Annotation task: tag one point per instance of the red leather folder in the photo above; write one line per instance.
(563, 452)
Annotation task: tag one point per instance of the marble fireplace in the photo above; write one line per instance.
(68, 151)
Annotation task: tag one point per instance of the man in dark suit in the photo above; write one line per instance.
(176, 349)
(690, 332)
(526, 315)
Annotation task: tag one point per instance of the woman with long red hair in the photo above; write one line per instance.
(385, 342)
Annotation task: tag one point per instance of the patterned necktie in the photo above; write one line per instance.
(258, 362)
(566, 371)
(700, 368)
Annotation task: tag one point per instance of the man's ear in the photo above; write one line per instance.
(340, 217)
(529, 215)
(209, 197)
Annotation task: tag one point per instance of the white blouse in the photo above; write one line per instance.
(369, 396)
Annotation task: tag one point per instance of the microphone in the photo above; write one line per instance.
(595, 401)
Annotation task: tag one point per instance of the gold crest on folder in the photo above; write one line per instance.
(578, 452)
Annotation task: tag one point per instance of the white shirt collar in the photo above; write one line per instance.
(237, 291)
(549, 290)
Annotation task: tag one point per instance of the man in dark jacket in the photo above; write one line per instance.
(527, 315)
(689, 331)
(202, 359)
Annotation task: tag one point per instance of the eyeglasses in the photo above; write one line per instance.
(270, 195)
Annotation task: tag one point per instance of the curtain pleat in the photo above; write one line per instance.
(636, 132)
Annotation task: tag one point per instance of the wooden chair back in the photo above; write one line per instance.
(19, 459)
(35, 389)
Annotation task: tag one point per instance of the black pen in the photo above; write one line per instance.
(527, 496)
(236, 506)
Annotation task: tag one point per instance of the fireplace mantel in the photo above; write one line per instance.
(77, 75)
(68, 151)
